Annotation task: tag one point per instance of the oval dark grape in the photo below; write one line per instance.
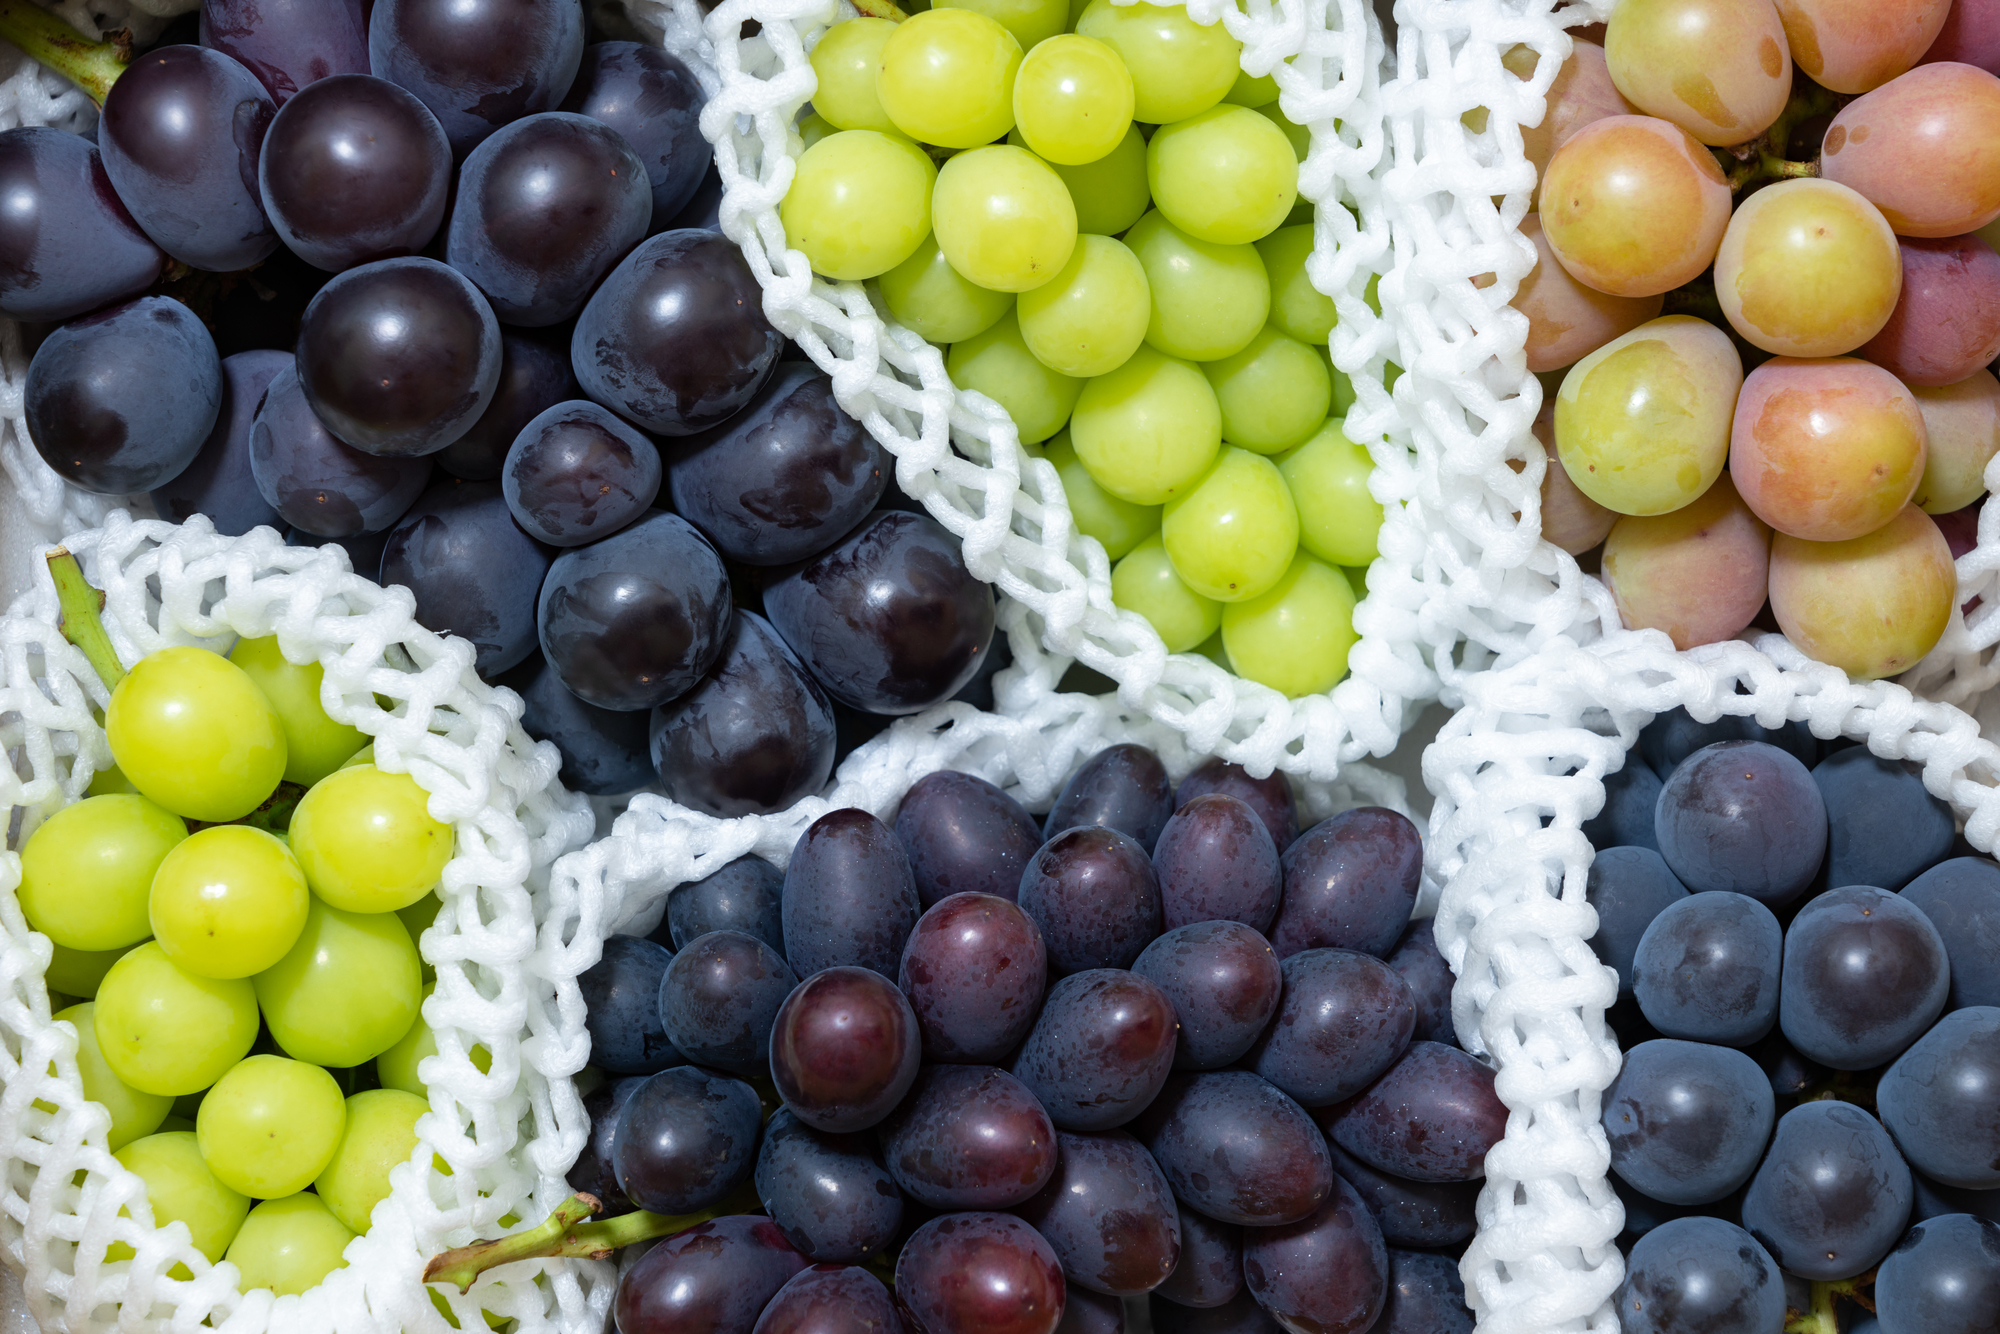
(1832, 1194)
(715, 1276)
(831, 1299)
(1217, 863)
(1944, 1278)
(363, 551)
(1327, 1272)
(317, 483)
(1865, 973)
(1687, 1122)
(478, 64)
(1700, 1273)
(594, 1173)
(969, 1137)
(1271, 797)
(844, 1049)
(1224, 981)
(1629, 887)
(1236, 1148)
(1100, 1050)
(1432, 1117)
(1742, 816)
(67, 245)
(576, 474)
(849, 899)
(621, 999)
(1421, 965)
(1675, 735)
(742, 896)
(1343, 1018)
(1962, 899)
(219, 483)
(1412, 1213)
(719, 999)
(1120, 787)
(1108, 1214)
(1425, 1296)
(1883, 828)
(1093, 893)
(475, 574)
(979, 1271)
(829, 1193)
(974, 969)
(1707, 969)
(1631, 795)
(654, 101)
(534, 377)
(1938, 1100)
(964, 836)
(1087, 1312)
(685, 1139)
(1350, 884)
(288, 44)
(1210, 1269)
(603, 752)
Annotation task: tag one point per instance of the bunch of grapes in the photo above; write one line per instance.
(1810, 1011)
(1794, 189)
(1098, 213)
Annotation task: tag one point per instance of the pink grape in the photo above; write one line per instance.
(1946, 324)
(1634, 206)
(1871, 606)
(1582, 93)
(1570, 519)
(1825, 450)
(1567, 320)
(1808, 269)
(1962, 427)
(1719, 69)
(1970, 36)
(1924, 148)
(1856, 46)
(1699, 573)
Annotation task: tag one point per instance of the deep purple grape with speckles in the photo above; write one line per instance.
(969, 1137)
(1093, 893)
(974, 969)
(576, 474)
(1216, 862)
(475, 573)
(318, 484)
(964, 836)
(288, 44)
(1210, 1269)
(654, 101)
(478, 64)
(1350, 884)
(849, 900)
(1328, 1272)
(1120, 787)
(219, 483)
(719, 998)
(830, 1193)
(1236, 1148)
(534, 377)
(1343, 1019)
(1412, 1213)
(1224, 982)
(67, 244)
(1100, 1050)
(1108, 1214)
(685, 1139)
(1432, 1117)
(715, 1276)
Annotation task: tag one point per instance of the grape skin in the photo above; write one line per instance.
(1865, 974)
(317, 483)
(1936, 1100)
(1700, 1273)
(969, 1137)
(1832, 1194)
(653, 100)
(478, 64)
(1808, 268)
(1855, 47)
(1239, 1315)
(1100, 1049)
(1883, 826)
(849, 898)
(1944, 327)
(975, 970)
(1962, 430)
(1674, 735)
(1209, 1270)
(1629, 887)
(685, 1139)
(1350, 883)
(1121, 787)
(1626, 821)
(827, 1298)
(716, 1275)
(742, 896)
(219, 482)
(844, 1049)
(1216, 862)
(1570, 519)
(1742, 816)
(1566, 319)
(67, 244)
(1581, 93)
(1108, 1214)
(1849, 424)
(1962, 899)
(829, 1193)
(1924, 148)
(719, 999)
(288, 44)
(1342, 1020)
(1412, 1213)
(603, 752)
(1720, 69)
(1224, 982)
(1707, 969)
(593, 1173)
(1432, 1117)
(979, 1271)
(1237, 1149)
(1944, 1278)
(576, 474)
(1327, 1272)
(475, 574)
(534, 377)
(1699, 573)
(1422, 966)
(964, 835)
(1093, 893)
(621, 998)
(1872, 606)
(1687, 1122)
(1634, 206)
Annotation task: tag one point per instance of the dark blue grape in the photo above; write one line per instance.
(685, 1139)
(1107, 1214)
(1412, 1213)
(1422, 966)
(478, 64)
(1743, 816)
(1944, 1278)
(1687, 1121)
(1093, 893)
(1699, 1273)
(829, 1193)
(703, 210)
(319, 484)
(1236, 1148)
(1210, 1269)
(1790, 1073)
(849, 899)
(1087, 1312)
(1328, 1272)
(1350, 884)
(1935, 1201)
(1865, 973)
(621, 999)
(1239, 1315)
(1938, 1100)
(1271, 797)
(979, 1271)
(964, 836)
(1216, 862)
(1962, 899)
(1674, 735)
(1342, 1020)
(576, 474)
(844, 1049)
(719, 998)
(1120, 787)
(1432, 1117)
(974, 969)
(978, 692)
(364, 550)
(67, 245)
(1707, 969)
(1883, 827)
(534, 377)
(654, 101)
(603, 752)
(1100, 1049)
(288, 44)
(1643, 1213)
(1629, 887)
(122, 400)
(1425, 1296)
(218, 483)
(594, 1173)
(475, 574)
(1630, 796)
(831, 1299)
(1224, 981)
(1832, 1194)
(969, 1137)
(717, 1276)
(742, 896)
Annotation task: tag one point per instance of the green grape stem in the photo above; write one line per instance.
(82, 625)
(91, 66)
(1824, 1318)
(881, 9)
(562, 1235)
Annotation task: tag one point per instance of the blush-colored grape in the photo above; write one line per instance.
(1924, 148)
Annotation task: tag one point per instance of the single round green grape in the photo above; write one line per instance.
(228, 902)
(194, 733)
(846, 61)
(1180, 68)
(1252, 92)
(1227, 175)
(860, 203)
(1003, 218)
(289, 1245)
(86, 871)
(1031, 21)
(165, 1030)
(315, 745)
(367, 842)
(105, 782)
(133, 1113)
(1149, 429)
(1298, 136)
(1072, 100)
(816, 127)
(1110, 193)
(380, 1132)
(1092, 316)
(1295, 637)
(396, 1068)
(270, 1126)
(1209, 300)
(1145, 582)
(947, 78)
(1298, 309)
(1118, 524)
(1338, 519)
(927, 294)
(78, 973)
(1234, 533)
(346, 992)
(1274, 393)
(182, 1189)
(998, 364)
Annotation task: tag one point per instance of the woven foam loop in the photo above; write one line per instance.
(501, 955)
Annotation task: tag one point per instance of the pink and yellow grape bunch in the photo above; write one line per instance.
(232, 977)
(1113, 250)
(1796, 189)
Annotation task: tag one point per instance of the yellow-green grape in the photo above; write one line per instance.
(927, 294)
(1110, 193)
(1298, 136)
(1274, 393)
(181, 1189)
(1092, 315)
(1344, 397)
(1295, 637)
(133, 1113)
(165, 1030)
(947, 78)
(1179, 67)
(346, 992)
(289, 1245)
(1118, 524)
(1808, 268)
(1250, 91)
(315, 745)
(845, 62)
(860, 203)
(416, 919)
(366, 755)
(1145, 582)
(998, 364)
(194, 733)
(367, 842)
(1031, 21)
(1338, 519)
(270, 1126)
(79, 972)
(380, 1132)
(396, 1068)
(105, 782)
(814, 128)
(1003, 218)
(1148, 430)
(1357, 579)
(86, 871)
(1072, 99)
(1297, 307)
(228, 902)
(1227, 175)
(1212, 648)
(1209, 300)
(1234, 533)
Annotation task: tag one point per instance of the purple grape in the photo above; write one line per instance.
(1882, 827)
(67, 245)
(603, 752)
(1944, 1278)
(1107, 1214)
(1630, 796)
(1790, 1073)
(1412, 1213)
(685, 1139)
(576, 474)
(1865, 973)
(1342, 1020)
(1350, 884)
(363, 550)
(1629, 887)
(1239, 1315)
(1699, 1273)
(1328, 1272)
(1100, 1050)
(1675, 735)
(319, 484)
(1422, 967)
(969, 1137)
(828, 1192)
(844, 1049)
(1432, 1117)
(594, 1173)
(1087, 1312)
(831, 1299)
(703, 210)
(849, 899)
(654, 101)
(621, 1001)
(1092, 892)
(964, 836)
(1271, 797)
(1224, 982)
(534, 377)
(1425, 1296)
(742, 896)
(1938, 1100)
(288, 44)
(1743, 816)
(478, 64)
(1962, 899)
(974, 969)
(1236, 1148)
(1120, 787)
(1217, 863)
(1935, 1201)
(1643, 1213)
(1687, 1122)
(714, 1278)
(719, 999)
(475, 574)
(218, 483)
(1707, 969)
(1832, 1194)
(1209, 1271)
(979, 1271)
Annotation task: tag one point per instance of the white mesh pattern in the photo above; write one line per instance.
(498, 950)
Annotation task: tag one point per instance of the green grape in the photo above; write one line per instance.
(194, 733)
(1031, 21)
(926, 293)
(366, 755)
(133, 1113)
(346, 992)
(1149, 429)
(1338, 519)
(1180, 68)
(1118, 524)
(367, 842)
(1092, 316)
(815, 127)
(1295, 637)
(315, 745)
(998, 364)
(228, 902)
(1226, 175)
(1209, 300)
(181, 1188)
(416, 919)
(1072, 100)
(1145, 582)
(1344, 397)
(105, 782)
(396, 1068)
(1212, 647)
(1110, 193)
(1274, 393)
(1003, 218)
(1252, 92)
(380, 1132)
(860, 203)
(289, 1245)
(270, 1126)
(845, 61)
(1297, 307)
(164, 1030)
(85, 872)
(947, 78)
(1298, 136)
(79, 972)
(1233, 535)
(1357, 579)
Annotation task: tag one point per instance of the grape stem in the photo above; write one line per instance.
(91, 66)
(81, 623)
(1823, 1318)
(881, 9)
(562, 1235)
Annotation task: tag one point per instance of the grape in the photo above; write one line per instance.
(319, 484)
(1566, 319)
(1968, 35)
(1581, 93)
(621, 1000)
(1962, 431)
(534, 377)
(179, 138)
(1923, 149)
(180, 1188)
(1865, 974)
(859, 204)
(1943, 328)
(131, 1113)
(1962, 899)
(1629, 887)
(685, 1139)
(1209, 300)
(1093, 892)
(1224, 983)
(1274, 395)
(218, 483)
(974, 969)
(964, 835)
(1853, 48)
(715, 1276)
(1630, 794)
(1270, 797)
(1100, 1050)
(1831, 1195)
(1299, 310)
(87, 869)
(1108, 1215)
(1699, 573)
(1700, 1273)
(653, 101)
(1343, 1019)
(1421, 965)
(675, 339)
(346, 992)
(1937, 1100)
(1109, 194)
(190, 730)
(1239, 1315)
(1236, 1148)
(576, 473)
(1226, 175)
(380, 1132)
(1091, 317)
(367, 840)
(1633, 206)
(828, 1192)
(1674, 735)
(1232, 535)
(1809, 268)
(478, 64)
(475, 572)
(844, 1049)
(1325, 1272)
(1411, 1213)
(1883, 828)
(784, 478)
(1209, 1271)
(1145, 582)
(1871, 606)
(593, 1174)
(1719, 69)
(315, 745)
(1570, 519)
(927, 294)
(1350, 883)
(845, 62)
(742, 896)
(169, 1032)
(67, 245)
(604, 753)
(1120, 787)
(969, 1137)
(984, 1271)
(1432, 1117)
(1148, 431)
(1031, 21)
(227, 902)
(849, 898)
(288, 1245)
(830, 1299)
(1935, 1201)
(1294, 638)
(998, 364)
(1004, 219)
(1849, 424)
(1073, 99)
(719, 998)
(1687, 1122)
(946, 77)
(1425, 1295)
(288, 44)
(1179, 68)
(1944, 1278)
(1742, 816)
(1216, 862)
(270, 1126)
